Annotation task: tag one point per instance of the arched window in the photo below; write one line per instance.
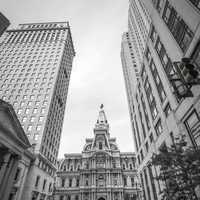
(76, 198)
(63, 183)
(70, 182)
(123, 166)
(61, 197)
(131, 167)
(77, 182)
(125, 181)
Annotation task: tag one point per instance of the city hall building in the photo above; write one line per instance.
(100, 172)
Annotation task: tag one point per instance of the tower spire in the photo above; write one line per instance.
(102, 122)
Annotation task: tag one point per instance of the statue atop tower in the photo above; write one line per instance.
(102, 122)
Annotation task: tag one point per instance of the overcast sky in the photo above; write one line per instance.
(97, 77)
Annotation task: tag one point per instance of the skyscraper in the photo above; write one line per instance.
(159, 113)
(4, 23)
(36, 62)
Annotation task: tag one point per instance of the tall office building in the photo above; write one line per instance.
(36, 62)
(4, 23)
(159, 114)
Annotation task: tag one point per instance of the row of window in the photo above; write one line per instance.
(44, 184)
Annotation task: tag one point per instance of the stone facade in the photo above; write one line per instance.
(15, 154)
(101, 171)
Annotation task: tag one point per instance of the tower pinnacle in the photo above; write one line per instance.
(102, 120)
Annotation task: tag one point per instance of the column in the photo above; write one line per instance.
(7, 184)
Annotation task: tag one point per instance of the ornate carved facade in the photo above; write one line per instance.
(100, 172)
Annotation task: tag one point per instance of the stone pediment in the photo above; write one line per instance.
(10, 125)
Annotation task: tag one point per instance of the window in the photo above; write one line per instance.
(43, 110)
(167, 110)
(125, 181)
(152, 178)
(17, 174)
(70, 182)
(158, 128)
(24, 119)
(192, 124)
(132, 182)
(100, 145)
(157, 81)
(63, 183)
(30, 103)
(150, 98)
(30, 128)
(19, 111)
(44, 184)
(196, 55)
(32, 119)
(179, 29)
(77, 182)
(153, 34)
(41, 118)
(35, 110)
(61, 197)
(151, 137)
(158, 4)
(38, 128)
(36, 136)
(37, 181)
(147, 146)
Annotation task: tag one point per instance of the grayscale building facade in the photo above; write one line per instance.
(36, 63)
(100, 172)
(157, 113)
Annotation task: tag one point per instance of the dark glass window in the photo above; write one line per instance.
(152, 182)
(44, 184)
(158, 4)
(134, 134)
(158, 82)
(143, 188)
(196, 3)
(63, 183)
(100, 145)
(145, 112)
(196, 56)
(17, 174)
(167, 110)
(192, 124)
(77, 182)
(147, 146)
(147, 184)
(70, 182)
(153, 34)
(37, 181)
(179, 29)
(151, 137)
(138, 133)
(158, 128)
(151, 99)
